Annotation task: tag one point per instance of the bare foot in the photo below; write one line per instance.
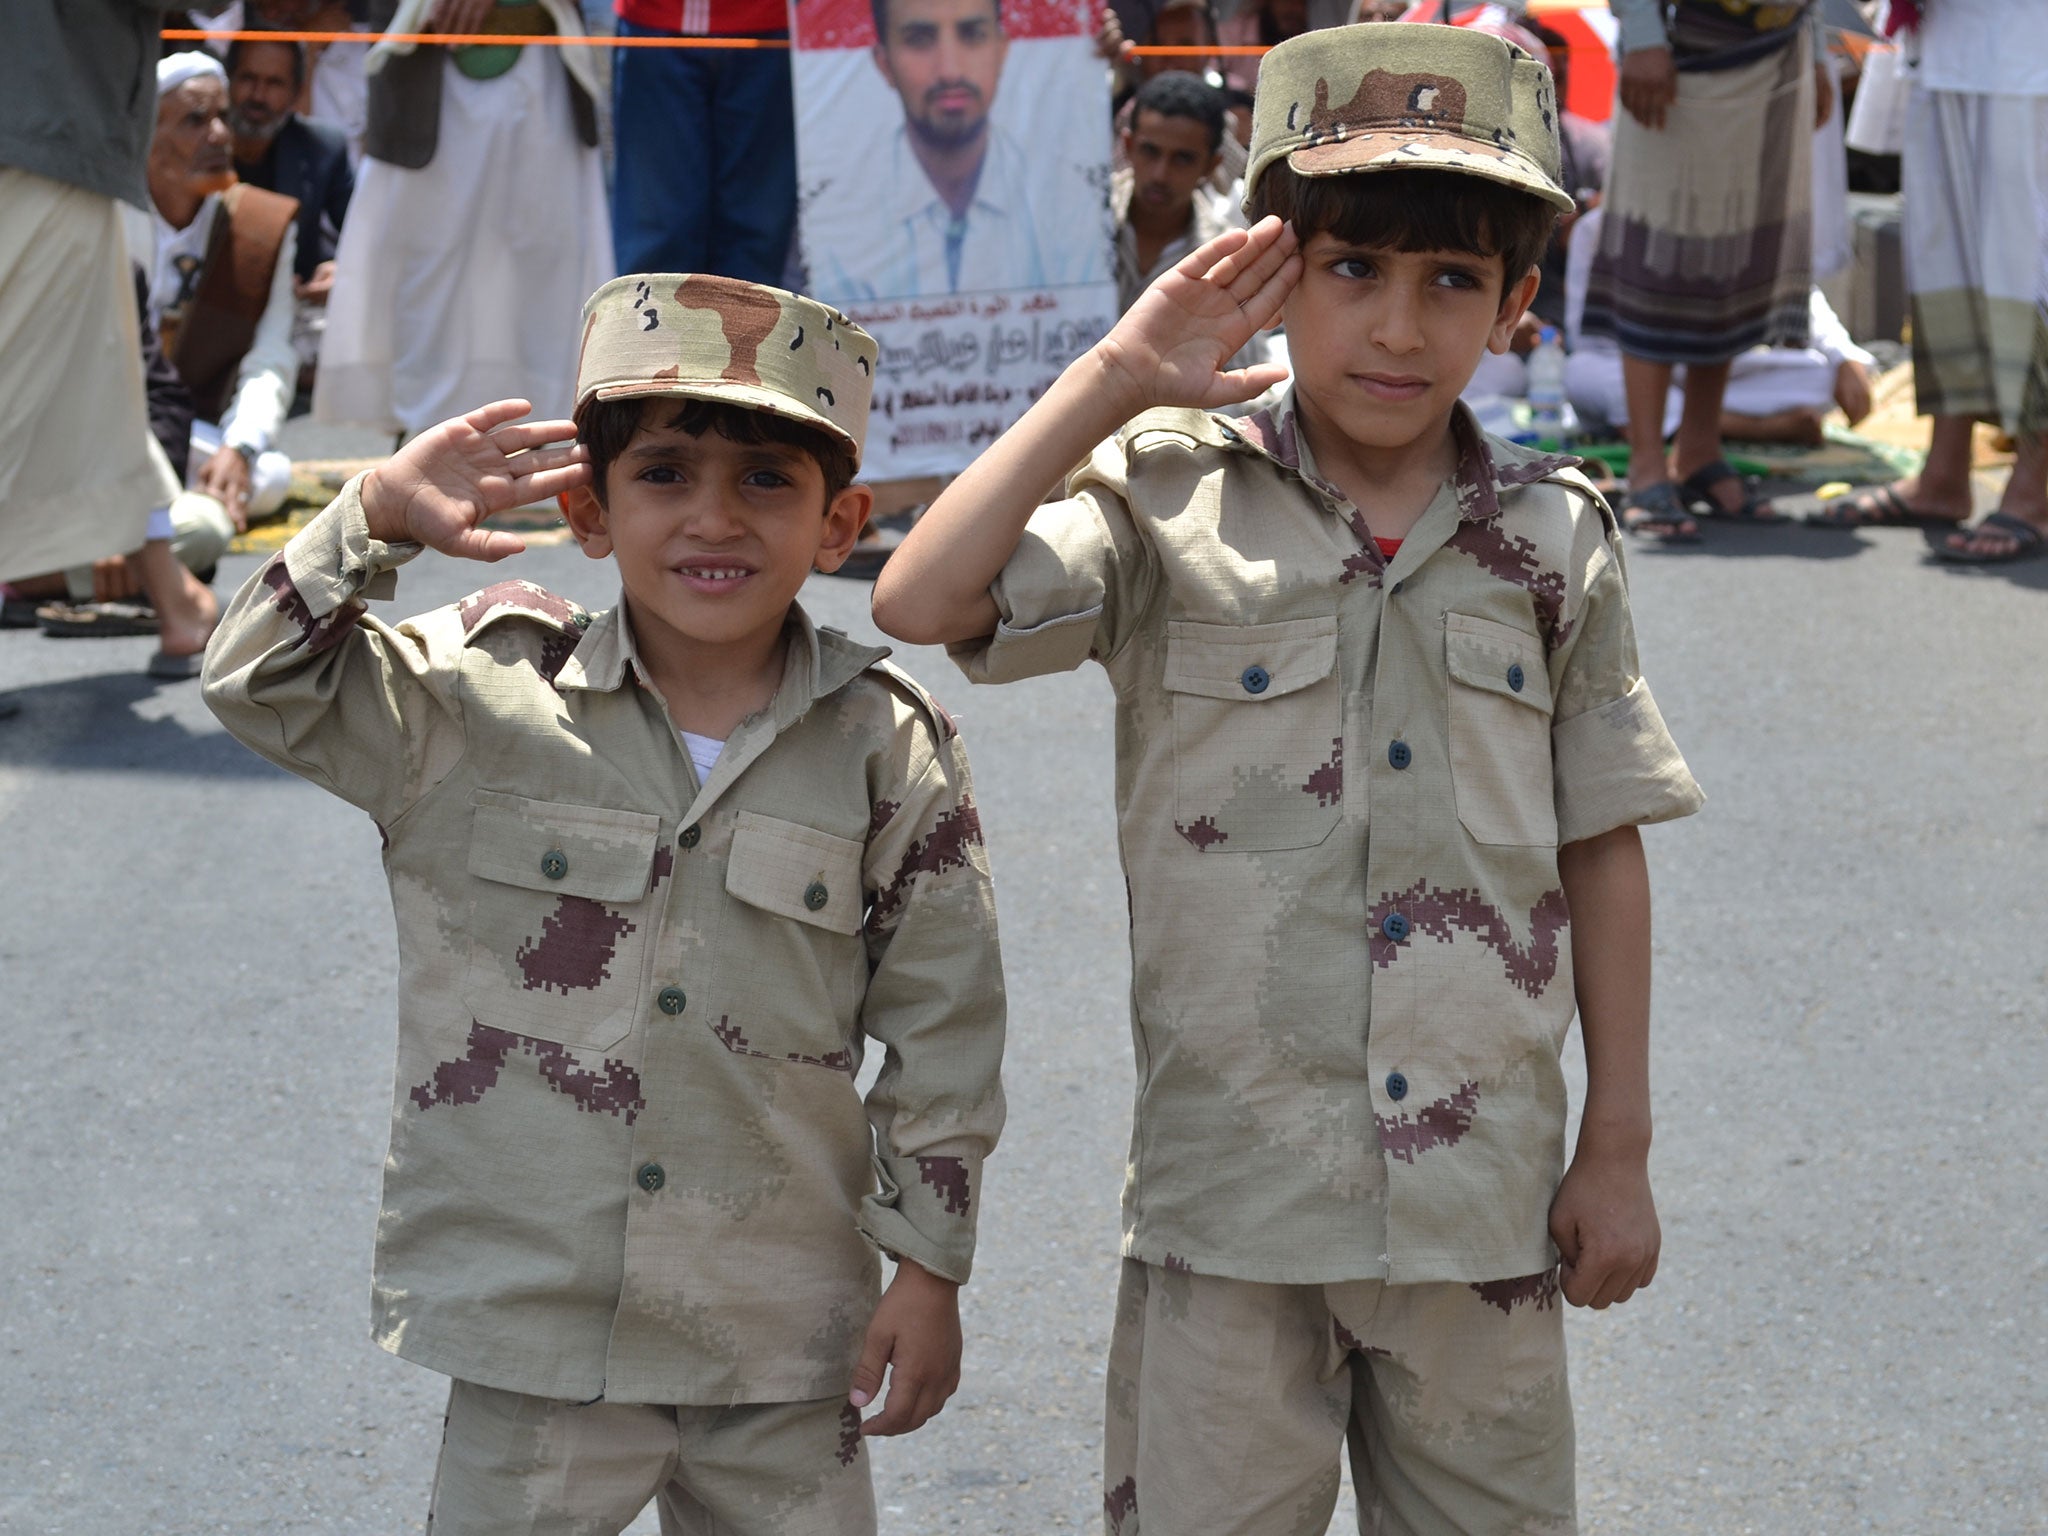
(186, 608)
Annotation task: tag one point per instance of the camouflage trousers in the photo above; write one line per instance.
(513, 1465)
(1228, 1400)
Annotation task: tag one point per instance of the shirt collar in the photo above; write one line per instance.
(817, 662)
(916, 197)
(1485, 466)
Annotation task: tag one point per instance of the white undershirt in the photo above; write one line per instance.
(703, 753)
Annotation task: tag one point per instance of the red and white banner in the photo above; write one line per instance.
(953, 172)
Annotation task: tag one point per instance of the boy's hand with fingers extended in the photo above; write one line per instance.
(1171, 346)
(441, 485)
(915, 1335)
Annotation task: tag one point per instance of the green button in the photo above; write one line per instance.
(815, 896)
(554, 864)
(689, 836)
(650, 1177)
(671, 1000)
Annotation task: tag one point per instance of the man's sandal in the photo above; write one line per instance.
(2028, 541)
(1875, 506)
(1698, 490)
(1657, 512)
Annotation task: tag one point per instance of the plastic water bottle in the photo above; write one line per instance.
(1547, 407)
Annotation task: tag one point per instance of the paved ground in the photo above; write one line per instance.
(1847, 1336)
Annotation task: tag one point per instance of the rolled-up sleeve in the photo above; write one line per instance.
(1613, 761)
(1075, 585)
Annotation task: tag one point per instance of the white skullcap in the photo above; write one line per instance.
(175, 69)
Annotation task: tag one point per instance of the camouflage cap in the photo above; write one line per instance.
(695, 337)
(1401, 97)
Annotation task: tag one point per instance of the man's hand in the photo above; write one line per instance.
(916, 1335)
(1170, 348)
(225, 477)
(459, 18)
(1649, 84)
(1852, 389)
(1110, 42)
(314, 290)
(438, 487)
(1604, 1222)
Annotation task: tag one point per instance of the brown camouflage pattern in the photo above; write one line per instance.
(1451, 1400)
(514, 1463)
(695, 336)
(1345, 99)
(532, 792)
(1351, 980)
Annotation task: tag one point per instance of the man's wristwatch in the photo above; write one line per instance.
(248, 454)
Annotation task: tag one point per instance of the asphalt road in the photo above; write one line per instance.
(196, 973)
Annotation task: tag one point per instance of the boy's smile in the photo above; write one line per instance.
(714, 539)
(1383, 341)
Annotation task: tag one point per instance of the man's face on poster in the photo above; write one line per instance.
(944, 58)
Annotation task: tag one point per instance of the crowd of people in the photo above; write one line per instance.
(350, 228)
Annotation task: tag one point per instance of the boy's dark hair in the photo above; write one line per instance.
(1415, 210)
(1179, 94)
(607, 427)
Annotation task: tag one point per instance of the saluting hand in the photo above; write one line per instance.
(1170, 348)
(438, 487)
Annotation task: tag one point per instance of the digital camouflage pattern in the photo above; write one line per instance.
(1342, 782)
(1453, 1398)
(512, 1464)
(628, 1155)
(696, 337)
(1408, 98)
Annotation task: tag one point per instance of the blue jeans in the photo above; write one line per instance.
(705, 150)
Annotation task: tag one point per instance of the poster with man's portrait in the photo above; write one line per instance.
(953, 170)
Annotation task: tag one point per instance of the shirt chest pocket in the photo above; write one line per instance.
(1258, 730)
(1500, 732)
(795, 917)
(560, 925)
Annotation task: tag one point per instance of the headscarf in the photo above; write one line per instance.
(175, 69)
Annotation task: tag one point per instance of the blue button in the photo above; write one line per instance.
(1398, 754)
(1515, 678)
(1397, 1086)
(1255, 679)
(1395, 927)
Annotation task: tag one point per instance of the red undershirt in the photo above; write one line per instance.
(1388, 547)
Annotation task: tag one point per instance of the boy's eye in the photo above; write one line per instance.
(661, 474)
(1456, 278)
(767, 479)
(1352, 267)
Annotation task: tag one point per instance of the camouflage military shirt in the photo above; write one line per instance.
(1341, 785)
(628, 1155)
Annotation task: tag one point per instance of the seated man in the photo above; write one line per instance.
(220, 261)
(280, 150)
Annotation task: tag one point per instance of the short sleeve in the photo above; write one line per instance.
(1613, 761)
(1080, 577)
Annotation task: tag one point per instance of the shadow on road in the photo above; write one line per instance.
(1749, 541)
(95, 723)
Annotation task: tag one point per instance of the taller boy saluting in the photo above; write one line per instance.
(1382, 749)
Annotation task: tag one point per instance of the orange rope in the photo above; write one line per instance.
(561, 40)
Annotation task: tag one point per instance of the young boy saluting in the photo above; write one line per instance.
(1382, 750)
(659, 873)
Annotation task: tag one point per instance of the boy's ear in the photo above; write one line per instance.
(845, 515)
(587, 520)
(1514, 303)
